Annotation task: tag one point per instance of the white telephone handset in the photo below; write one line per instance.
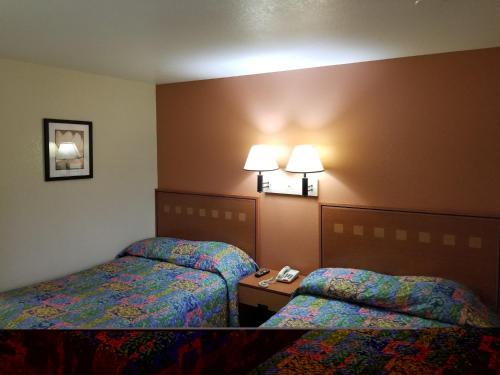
(287, 275)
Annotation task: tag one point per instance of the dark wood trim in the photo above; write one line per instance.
(190, 192)
(156, 212)
(267, 290)
(411, 211)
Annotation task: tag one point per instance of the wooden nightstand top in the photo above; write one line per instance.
(285, 289)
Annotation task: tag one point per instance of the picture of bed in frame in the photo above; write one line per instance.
(399, 269)
(187, 276)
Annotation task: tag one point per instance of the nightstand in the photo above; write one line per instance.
(258, 304)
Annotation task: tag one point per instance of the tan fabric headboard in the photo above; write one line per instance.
(206, 217)
(461, 248)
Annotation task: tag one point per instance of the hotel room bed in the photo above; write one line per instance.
(349, 298)
(393, 242)
(154, 283)
(342, 294)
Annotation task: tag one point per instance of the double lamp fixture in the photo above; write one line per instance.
(304, 159)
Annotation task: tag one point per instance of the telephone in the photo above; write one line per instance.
(287, 275)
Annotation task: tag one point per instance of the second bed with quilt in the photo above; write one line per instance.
(350, 298)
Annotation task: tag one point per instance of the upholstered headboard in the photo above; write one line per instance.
(457, 247)
(208, 217)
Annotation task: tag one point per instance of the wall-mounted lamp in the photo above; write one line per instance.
(260, 159)
(304, 159)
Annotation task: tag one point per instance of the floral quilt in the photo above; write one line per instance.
(454, 350)
(351, 298)
(154, 283)
(137, 352)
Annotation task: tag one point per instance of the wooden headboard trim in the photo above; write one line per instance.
(408, 210)
(214, 213)
(489, 241)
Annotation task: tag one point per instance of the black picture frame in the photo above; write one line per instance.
(51, 125)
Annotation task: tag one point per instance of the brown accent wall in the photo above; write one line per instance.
(419, 133)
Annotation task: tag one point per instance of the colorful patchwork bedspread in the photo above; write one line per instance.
(426, 351)
(155, 283)
(454, 350)
(350, 298)
(138, 352)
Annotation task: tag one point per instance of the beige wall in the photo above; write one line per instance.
(417, 133)
(48, 229)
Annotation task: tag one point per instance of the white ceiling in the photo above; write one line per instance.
(180, 40)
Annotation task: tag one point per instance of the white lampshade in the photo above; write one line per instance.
(67, 151)
(261, 158)
(304, 159)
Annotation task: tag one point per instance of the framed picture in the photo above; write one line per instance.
(68, 149)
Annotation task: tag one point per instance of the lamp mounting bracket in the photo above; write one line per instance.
(290, 185)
